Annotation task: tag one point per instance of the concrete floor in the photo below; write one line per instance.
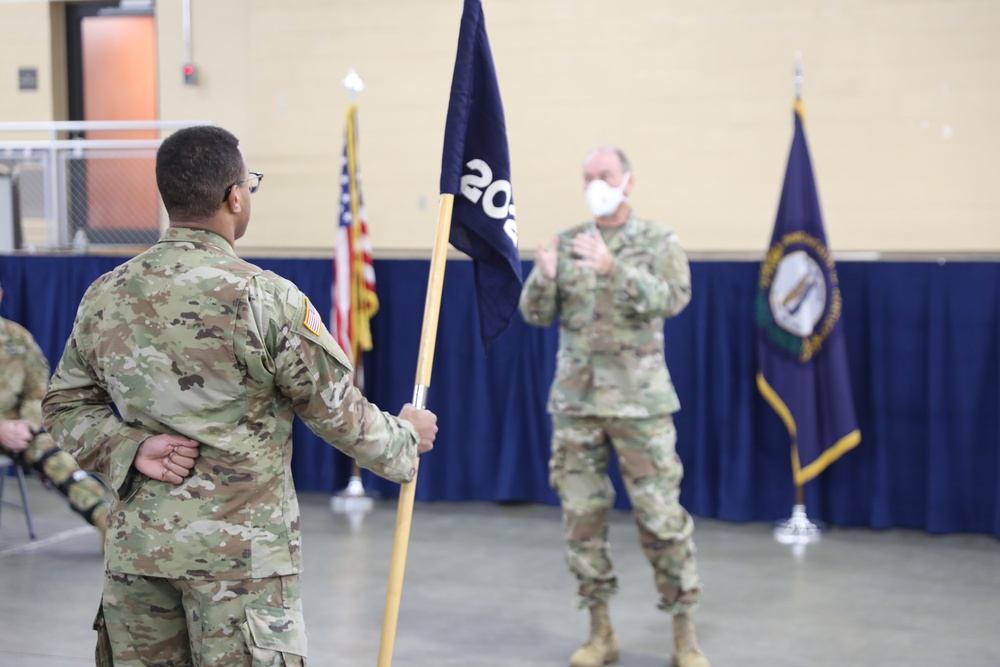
(485, 586)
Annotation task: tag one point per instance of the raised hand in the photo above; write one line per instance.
(547, 258)
(593, 253)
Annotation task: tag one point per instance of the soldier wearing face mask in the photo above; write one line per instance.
(612, 282)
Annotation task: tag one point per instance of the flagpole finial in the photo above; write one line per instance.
(353, 83)
(797, 79)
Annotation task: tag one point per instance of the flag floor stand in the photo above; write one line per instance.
(798, 529)
(353, 499)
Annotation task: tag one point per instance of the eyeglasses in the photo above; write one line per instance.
(254, 180)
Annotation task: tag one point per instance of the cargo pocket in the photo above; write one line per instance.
(102, 654)
(275, 637)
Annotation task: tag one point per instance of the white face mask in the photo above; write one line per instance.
(604, 199)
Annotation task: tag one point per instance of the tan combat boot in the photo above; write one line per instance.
(686, 651)
(602, 646)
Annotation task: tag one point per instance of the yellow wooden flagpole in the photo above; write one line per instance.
(425, 361)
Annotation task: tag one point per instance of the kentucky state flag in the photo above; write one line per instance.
(801, 352)
(475, 167)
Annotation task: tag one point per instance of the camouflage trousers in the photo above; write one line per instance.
(154, 622)
(86, 496)
(651, 471)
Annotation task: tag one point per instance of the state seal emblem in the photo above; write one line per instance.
(798, 297)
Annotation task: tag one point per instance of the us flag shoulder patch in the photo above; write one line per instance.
(313, 321)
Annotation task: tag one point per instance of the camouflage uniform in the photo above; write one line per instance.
(22, 385)
(612, 388)
(187, 338)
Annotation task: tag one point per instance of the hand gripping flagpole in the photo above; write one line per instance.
(425, 360)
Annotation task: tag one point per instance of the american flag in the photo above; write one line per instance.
(354, 299)
(313, 321)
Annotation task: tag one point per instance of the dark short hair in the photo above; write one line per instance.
(194, 166)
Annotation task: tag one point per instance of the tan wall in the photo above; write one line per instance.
(25, 31)
(903, 97)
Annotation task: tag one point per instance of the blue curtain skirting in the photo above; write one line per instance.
(923, 341)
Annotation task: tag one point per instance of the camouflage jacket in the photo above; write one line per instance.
(187, 338)
(23, 374)
(610, 361)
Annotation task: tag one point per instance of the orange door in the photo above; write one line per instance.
(119, 83)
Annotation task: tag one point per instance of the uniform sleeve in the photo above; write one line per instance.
(77, 413)
(315, 374)
(36, 377)
(662, 290)
(539, 299)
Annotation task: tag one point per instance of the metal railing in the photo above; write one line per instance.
(87, 183)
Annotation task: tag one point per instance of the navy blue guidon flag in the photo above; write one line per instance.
(475, 167)
(801, 351)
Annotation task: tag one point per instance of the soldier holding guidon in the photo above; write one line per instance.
(207, 359)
